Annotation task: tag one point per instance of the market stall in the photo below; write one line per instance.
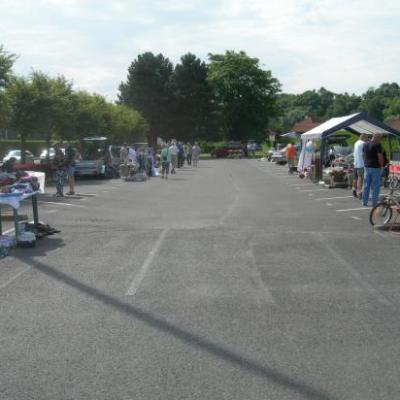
(15, 187)
(356, 123)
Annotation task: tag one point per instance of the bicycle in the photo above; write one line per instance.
(382, 213)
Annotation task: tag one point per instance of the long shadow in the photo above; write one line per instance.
(187, 337)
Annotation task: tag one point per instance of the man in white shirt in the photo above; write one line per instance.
(173, 151)
(132, 154)
(358, 175)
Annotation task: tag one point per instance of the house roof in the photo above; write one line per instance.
(394, 123)
(305, 125)
(356, 123)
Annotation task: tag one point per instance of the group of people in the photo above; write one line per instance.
(369, 165)
(174, 154)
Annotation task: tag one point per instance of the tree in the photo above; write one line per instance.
(54, 105)
(91, 115)
(343, 104)
(126, 124)
(24, 117)
(193, 108)
(374, 101)
(146, 89)
(6, 63)
(246, 93)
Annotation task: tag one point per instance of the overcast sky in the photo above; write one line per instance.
(343, 45)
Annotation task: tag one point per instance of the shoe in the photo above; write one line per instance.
(355, 193)
(70, 193)
(360, 195)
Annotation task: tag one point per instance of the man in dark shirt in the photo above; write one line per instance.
(373, 163)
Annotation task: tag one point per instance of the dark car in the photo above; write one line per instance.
(230, 149)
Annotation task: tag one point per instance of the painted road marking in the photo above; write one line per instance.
(329, 204)
(353, 271)
(134, 286)
(356, 218)
(312, 190)
(62, 204)
(5, 284)
(333, 198)
(354, 209)
(86, 194)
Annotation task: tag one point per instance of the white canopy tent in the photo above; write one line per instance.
(357, 123)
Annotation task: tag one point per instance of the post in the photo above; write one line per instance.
(16, 226)
(321, 159)
(1, 225)
(35, 210)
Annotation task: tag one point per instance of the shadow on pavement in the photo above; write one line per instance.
(184, 336)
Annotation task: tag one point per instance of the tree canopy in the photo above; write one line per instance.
(146, 89)
(246, 94)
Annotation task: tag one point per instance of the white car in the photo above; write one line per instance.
(52, 152)
(29, 157)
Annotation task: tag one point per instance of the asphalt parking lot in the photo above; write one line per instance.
(235, 280)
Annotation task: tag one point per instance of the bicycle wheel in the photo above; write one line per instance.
(381, 214)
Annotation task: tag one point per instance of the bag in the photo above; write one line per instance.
(165, 158)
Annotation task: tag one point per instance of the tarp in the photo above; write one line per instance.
(356, 123)
(291, 135)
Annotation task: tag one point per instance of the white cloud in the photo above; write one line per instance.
(342, 45)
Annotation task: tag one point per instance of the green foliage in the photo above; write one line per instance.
(126, 124)
(245, 93)
(193, 110)
(6, 63)
(147, 90)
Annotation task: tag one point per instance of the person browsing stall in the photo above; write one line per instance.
(373, 164)
(358, 174)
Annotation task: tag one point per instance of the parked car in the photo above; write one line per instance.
(52, 152)
(231, 149)
(29, 157)
(252, 144)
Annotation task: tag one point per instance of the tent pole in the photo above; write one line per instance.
(321, 159)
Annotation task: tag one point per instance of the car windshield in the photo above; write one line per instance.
(13, 153)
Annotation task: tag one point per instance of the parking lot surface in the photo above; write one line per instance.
(234, 280)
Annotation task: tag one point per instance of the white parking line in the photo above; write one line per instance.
(355, 209)
(333, 198)
(313, 190)
(5, 284)
(134, 286)
(62, 204)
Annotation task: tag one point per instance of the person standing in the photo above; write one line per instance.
(132, 156)
(373, 164)
(123, 154)
(189, 154)
(165, 157)
(290, 156)
(173, 151)
(70, 158)
(358, 173)
(195, 154)
(58, 165)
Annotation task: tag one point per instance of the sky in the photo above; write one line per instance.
(342, 45)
